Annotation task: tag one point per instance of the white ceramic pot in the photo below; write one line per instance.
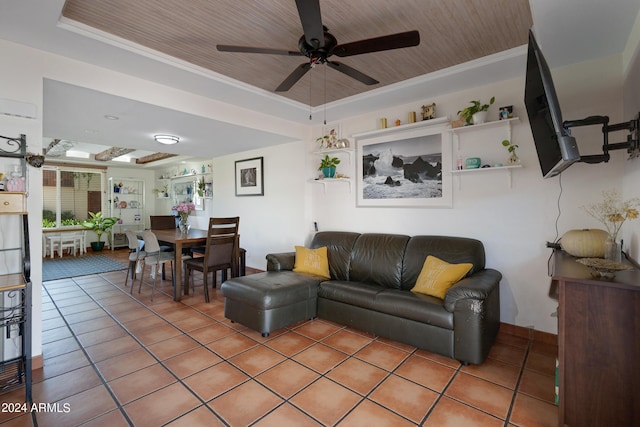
(480, 117)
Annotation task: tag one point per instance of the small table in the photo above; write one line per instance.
(179, 241)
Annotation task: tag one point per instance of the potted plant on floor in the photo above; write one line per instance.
(477, 112)
(328, 166)
(100, 225)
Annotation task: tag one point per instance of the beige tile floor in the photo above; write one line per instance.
(120, 360)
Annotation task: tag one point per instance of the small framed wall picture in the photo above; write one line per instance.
(506, 112)
(250, 177)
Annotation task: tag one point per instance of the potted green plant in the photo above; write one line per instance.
(162, 192)
(100, 225)
(477, 112)
(513, 158)
(201, 187)
(328, 166)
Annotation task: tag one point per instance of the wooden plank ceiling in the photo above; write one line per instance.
(452, 32)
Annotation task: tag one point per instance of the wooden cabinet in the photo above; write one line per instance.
(598, 344)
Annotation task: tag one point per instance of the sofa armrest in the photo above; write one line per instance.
(475, 303)
(281, 261)
(477, 286)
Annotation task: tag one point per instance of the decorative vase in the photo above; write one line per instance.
(329, 172)
(480, 117)
(612, 250)
(184, 225)
(514, 159)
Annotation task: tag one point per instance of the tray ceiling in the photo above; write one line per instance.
(452, 32)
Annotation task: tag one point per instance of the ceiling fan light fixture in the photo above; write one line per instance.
(166, 139)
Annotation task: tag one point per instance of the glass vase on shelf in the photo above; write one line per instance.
(612, 250)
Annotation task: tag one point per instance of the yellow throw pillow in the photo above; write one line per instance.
(312, 261)
(437, 276)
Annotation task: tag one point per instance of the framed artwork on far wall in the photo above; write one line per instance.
(405, 166)
(250, 177)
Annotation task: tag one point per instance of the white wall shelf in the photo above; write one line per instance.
(330, 181)
(507, 169)
(479, 136)
(401, 128)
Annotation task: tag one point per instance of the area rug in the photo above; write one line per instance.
(78, 266)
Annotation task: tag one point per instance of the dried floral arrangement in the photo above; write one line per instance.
(612, 211)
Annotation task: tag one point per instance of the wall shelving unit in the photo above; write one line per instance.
(126, 202)
(495, 131)
(15, 283)
(340, 153)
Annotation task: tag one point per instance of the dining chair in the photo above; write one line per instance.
(154, 257)
(221, 252)
(136, 254)
(60, 242)
(46, 243)
(78, 238)
(163, 222)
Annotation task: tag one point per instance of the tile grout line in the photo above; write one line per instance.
(109, 314)
(160, 362)
(517, 387)
(86, 355)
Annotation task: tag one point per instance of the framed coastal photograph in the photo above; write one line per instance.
(250, 177)
(404, 167)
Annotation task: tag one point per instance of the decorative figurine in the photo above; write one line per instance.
(429, 111)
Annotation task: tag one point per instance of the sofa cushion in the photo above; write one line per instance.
(437, 276)
(377, 259)
(339, 245)
(419, 307)
(353, 293)
(312, 261)
(395, 302)
(454, 250)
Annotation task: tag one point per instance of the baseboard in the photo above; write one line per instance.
(529, 333)
(37, 362)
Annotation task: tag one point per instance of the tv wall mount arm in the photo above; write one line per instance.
(632, 145)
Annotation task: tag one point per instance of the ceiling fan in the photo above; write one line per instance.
(319, 45)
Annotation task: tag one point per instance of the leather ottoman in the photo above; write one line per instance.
(271, 300)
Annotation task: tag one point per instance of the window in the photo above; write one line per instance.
(69, 194)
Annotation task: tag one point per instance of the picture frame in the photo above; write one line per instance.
(405, 166)
(249, 177)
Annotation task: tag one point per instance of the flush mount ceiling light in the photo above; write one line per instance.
(166, 139)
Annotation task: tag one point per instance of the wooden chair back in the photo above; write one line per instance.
(222, 242)
(162, 222)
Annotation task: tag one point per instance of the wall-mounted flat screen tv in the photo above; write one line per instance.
(556, 148)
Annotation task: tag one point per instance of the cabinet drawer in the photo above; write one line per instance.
(12, 203)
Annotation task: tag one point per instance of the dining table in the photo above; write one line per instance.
(179, 240)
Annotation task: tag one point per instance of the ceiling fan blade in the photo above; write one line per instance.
(248, 49)
(352, 72)
(293, 78)
(311, 19)
(377, 44)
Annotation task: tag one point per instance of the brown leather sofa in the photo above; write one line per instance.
(371, 278)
